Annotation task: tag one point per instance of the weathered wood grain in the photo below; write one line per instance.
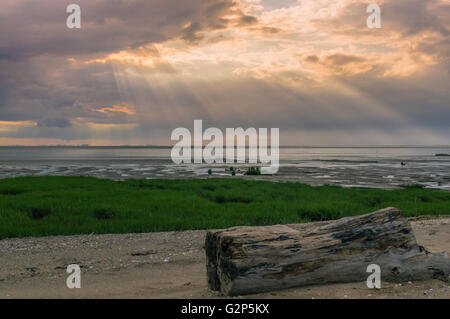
(244, 260)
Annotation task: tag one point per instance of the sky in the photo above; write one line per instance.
(138, 69)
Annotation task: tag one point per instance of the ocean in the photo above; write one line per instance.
(348, 167)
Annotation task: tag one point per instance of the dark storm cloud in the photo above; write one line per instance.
(34, 28)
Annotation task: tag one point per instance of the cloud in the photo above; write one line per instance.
(246, 20)
(55, 122)
(138, 69)
(37, 28)
(343, 59)
(192, 32)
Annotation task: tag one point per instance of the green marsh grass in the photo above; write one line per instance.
(42, 206)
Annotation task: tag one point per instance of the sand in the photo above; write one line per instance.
(168, 265)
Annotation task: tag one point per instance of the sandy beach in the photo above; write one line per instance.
(169, 265)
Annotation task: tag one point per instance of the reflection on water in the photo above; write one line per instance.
(356, 167)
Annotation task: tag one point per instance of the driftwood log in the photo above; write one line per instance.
(243, 260)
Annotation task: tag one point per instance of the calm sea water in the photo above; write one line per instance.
(356, 167)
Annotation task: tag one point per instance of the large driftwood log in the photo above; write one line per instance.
(243, 260)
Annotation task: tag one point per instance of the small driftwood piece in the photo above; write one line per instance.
(245, 260)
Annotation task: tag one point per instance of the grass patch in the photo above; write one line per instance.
(104, 213)
(52, 205)
(253, 171)
(11, 191)
(232, 199)
(40, 212)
